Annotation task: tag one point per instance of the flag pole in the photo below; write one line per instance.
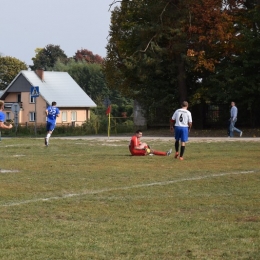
(108, 129)
(108, 113)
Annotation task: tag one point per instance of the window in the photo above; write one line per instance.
(73, 116)
(64, 116)
(32, 99)
(32, 116)
(19, 98)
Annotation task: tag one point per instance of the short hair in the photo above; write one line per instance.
(53, 103)
(1, 103)
(184, 104)
(138, 131)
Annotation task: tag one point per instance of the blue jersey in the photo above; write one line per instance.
(2, 116)
(52, 114)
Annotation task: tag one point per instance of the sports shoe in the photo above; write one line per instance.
(46, 141)
(181, 158)
(176, 155)
(169, 152)
(241, 133)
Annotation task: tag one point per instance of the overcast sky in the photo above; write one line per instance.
(72, 24)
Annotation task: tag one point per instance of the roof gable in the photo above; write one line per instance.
(59, 87)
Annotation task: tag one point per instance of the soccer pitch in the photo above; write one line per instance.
(89, 199)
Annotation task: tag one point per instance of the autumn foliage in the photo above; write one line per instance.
(211, 32)
(87, 56)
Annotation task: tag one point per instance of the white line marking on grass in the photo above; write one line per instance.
(91, 192)
(7, 171)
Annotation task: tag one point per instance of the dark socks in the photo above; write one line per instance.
(182, 151)
(176, 146)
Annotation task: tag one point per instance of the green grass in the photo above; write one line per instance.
(88, 199)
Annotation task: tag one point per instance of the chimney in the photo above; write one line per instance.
(40, 73)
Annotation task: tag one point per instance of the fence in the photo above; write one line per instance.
(210, 115)
(98, 125)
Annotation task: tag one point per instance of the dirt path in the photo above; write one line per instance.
(164, 138)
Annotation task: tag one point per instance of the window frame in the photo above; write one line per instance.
(32, 116)
(64, 116)
(73, 116)
(32, 99)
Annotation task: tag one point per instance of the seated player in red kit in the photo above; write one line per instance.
(138, 148)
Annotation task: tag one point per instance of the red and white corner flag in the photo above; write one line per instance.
(108, 111)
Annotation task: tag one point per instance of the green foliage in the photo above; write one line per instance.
(45, 58)
(96, 124)
(142, 61)
(90, 78)
(9, 68)
(147, 52)
(237, 77)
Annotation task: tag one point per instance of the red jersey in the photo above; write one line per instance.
(135, 141)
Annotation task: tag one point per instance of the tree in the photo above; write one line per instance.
(147, 50)
(237, 76)
(212, 36)
(9, 68)
(45, 58)
(138, 63)
(90, 78)
(88, 56)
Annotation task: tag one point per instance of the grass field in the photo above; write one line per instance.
(88, 199)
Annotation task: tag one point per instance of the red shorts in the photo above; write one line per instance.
(136, 152)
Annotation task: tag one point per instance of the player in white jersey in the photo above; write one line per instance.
(182, 122)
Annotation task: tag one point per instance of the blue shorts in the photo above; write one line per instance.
(181, 133)
(50, 126)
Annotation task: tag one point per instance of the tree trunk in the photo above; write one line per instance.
(182, 87)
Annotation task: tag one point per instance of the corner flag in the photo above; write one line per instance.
(108, 111)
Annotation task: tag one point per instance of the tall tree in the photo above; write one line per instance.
(9, 68)
(147, 49)
(237, 76)
(45, 58)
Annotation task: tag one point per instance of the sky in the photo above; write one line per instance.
(72, 24)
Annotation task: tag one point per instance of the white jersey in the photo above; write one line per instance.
(182, 117)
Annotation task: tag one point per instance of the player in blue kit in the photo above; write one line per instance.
(52, 112)
(182, 121)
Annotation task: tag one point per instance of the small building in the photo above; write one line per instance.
(73, 102)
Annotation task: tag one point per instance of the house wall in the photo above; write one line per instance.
(27, 107)
(82, 114)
